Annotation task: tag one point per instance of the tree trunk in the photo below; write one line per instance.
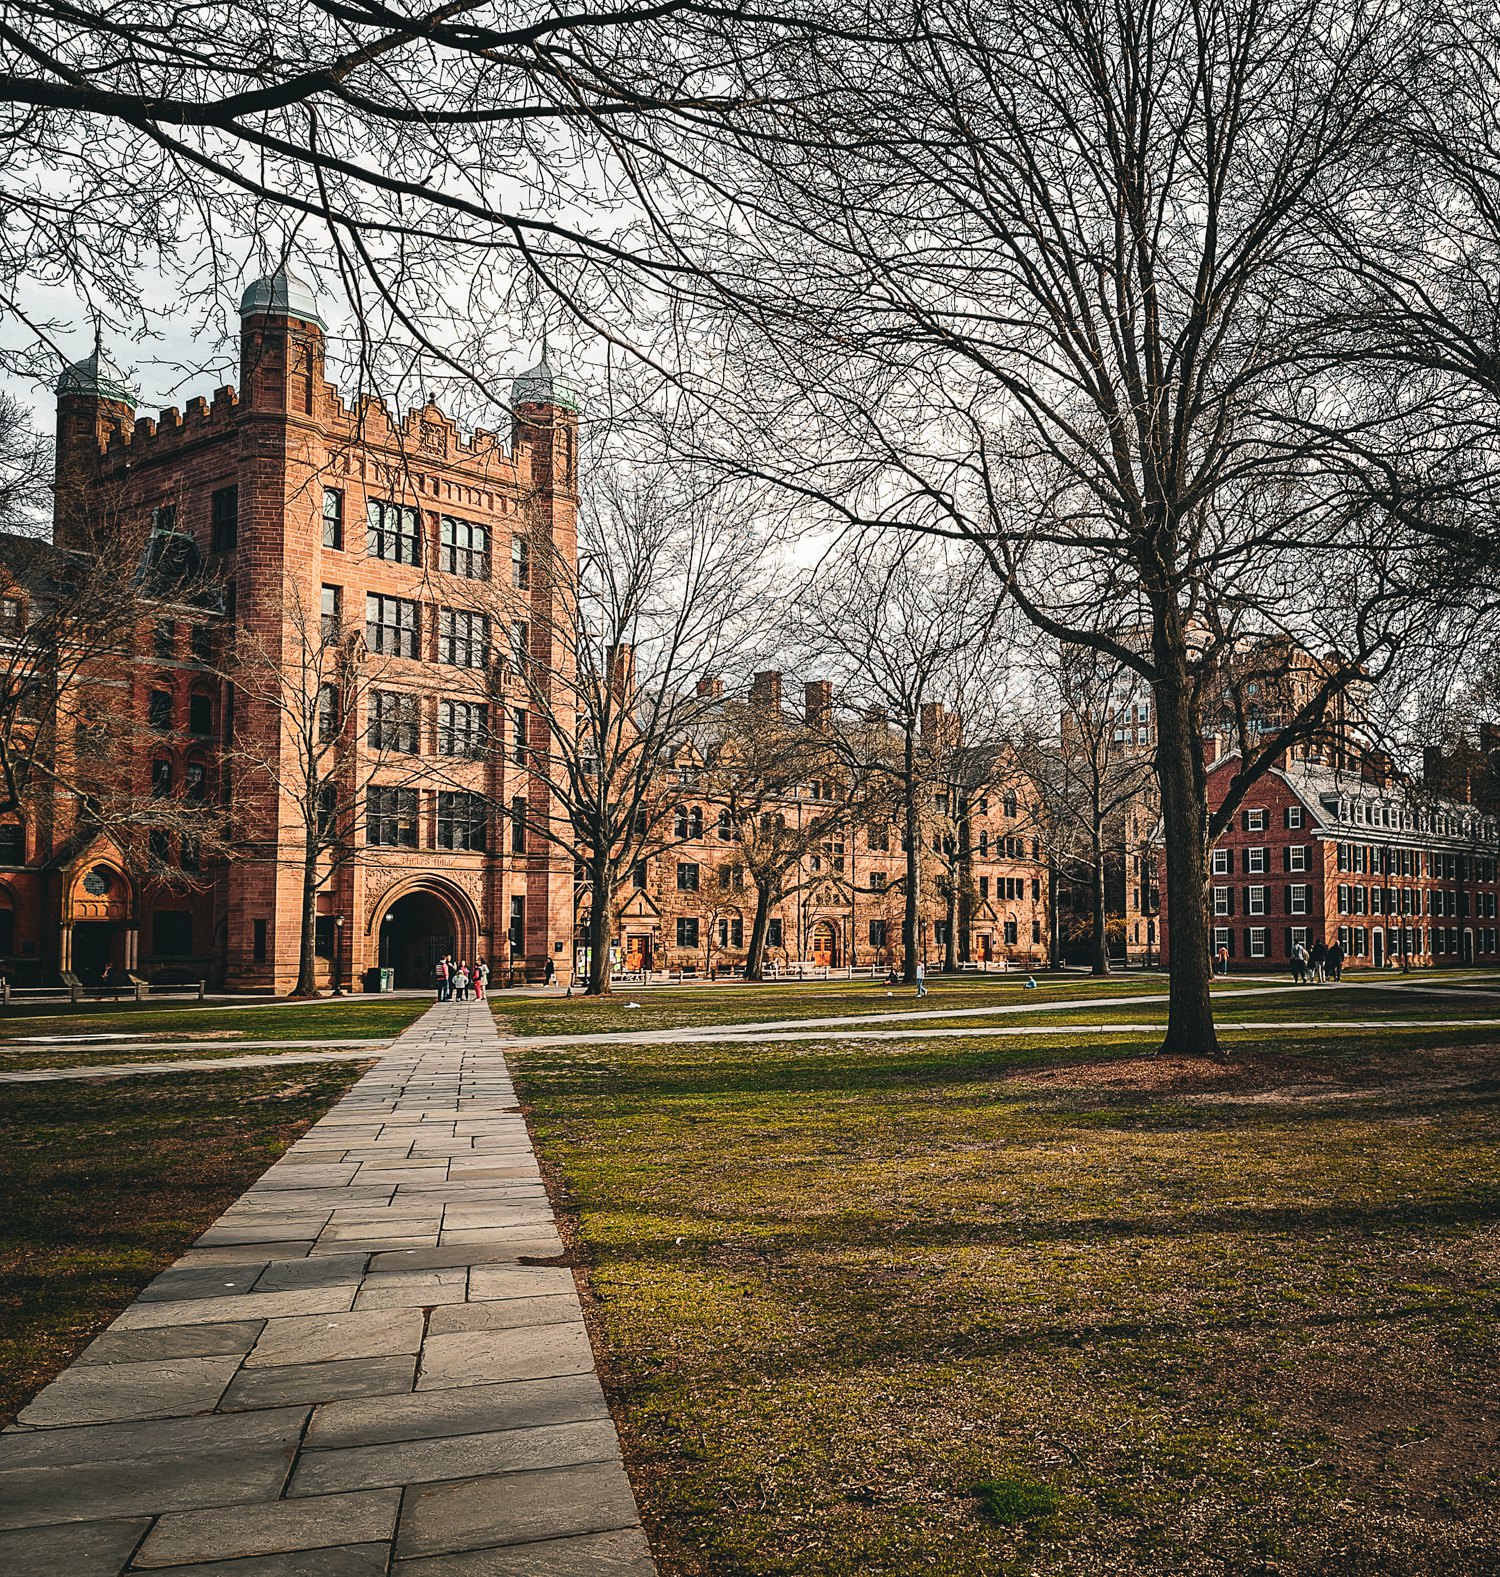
(1179, 766)
(1096, 897)
(307, 969)
(601, 909)
(755, 957)
(909, 913)
(1054, 940)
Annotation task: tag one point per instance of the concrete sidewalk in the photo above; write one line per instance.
(358, 1369)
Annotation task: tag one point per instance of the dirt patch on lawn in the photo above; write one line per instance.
(1277, 1079)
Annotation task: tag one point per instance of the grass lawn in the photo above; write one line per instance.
(1046, 1306)
(352, 1019)
(104, 1183)
(674, 1007)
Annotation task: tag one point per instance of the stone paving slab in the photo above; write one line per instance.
(358, 1369)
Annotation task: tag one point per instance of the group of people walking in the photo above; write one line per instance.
(456, 982)
(1317, 963)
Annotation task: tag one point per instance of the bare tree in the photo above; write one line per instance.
(1090, 761)
(1051, 281)
(74, 625)
(763, 761)
(664, 592)
(308, 746)
(895, 626)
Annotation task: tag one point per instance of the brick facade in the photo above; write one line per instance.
(1317, 855)
(245, 477)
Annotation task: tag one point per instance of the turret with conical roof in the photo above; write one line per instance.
(281, 344)
(95, 402)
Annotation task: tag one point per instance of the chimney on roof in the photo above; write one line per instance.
(817, 705)
(765, 690)
(710, 688)
(622, 668)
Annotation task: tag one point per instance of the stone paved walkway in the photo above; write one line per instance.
(360, 1368)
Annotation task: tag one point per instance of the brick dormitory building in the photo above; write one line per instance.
(1400, 875)
(286, 494)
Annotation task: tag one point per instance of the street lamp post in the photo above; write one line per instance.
(338, 955)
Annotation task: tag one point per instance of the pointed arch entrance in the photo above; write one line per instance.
(416, 924)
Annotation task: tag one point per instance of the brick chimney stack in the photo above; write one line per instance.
(711, 688)
(765, 690)
(818, 703)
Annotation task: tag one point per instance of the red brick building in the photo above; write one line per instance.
(1397, 877)
(286, 493)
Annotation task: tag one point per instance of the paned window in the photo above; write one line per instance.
(1297, 898)
(518, 824)
(464, 548)
(461, 820)
(201, 643)
(1255, 900)
(195, 781)
(391, 817)
(774, 932)
(12, 843)
(520, 563)
(333, 518)
(1254, 819)
(1258, 935)
(1257, 861)
(463, 638)
(224, 519)
(518, 735)
(517, 931)
(394, 716)
(159, 709)
(200, 715)
(393, 531)
(687, 930)
(331, 613)
(161, 777)
(392, 626)
(520, 642)
(1223, 862)
(463, 728)
(328, 713)
(687, 877)
(164, 638)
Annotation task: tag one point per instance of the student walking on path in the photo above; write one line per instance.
(444, 979)
(1299, 964)
(481, 980)
(921, 980)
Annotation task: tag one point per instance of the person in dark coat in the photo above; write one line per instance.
(1336, 961)
(1318, 958)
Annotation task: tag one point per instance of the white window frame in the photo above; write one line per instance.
(1221, 900)
(1257, 861)
(1294, 815)
(1259, 941)
(1297, 899)
(1255, 818)
(1255, 900)
(1297, 857)
(1220, 862)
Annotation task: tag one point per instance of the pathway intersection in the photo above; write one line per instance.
(374, 1362)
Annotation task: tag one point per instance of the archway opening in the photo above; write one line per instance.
(416, 931)
(825, 943)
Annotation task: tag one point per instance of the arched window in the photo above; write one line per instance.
(195, 781)
(726, 826)
(680, 822)
(161, 777)
(1010, 802)
(200, 712)
(695, 822)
